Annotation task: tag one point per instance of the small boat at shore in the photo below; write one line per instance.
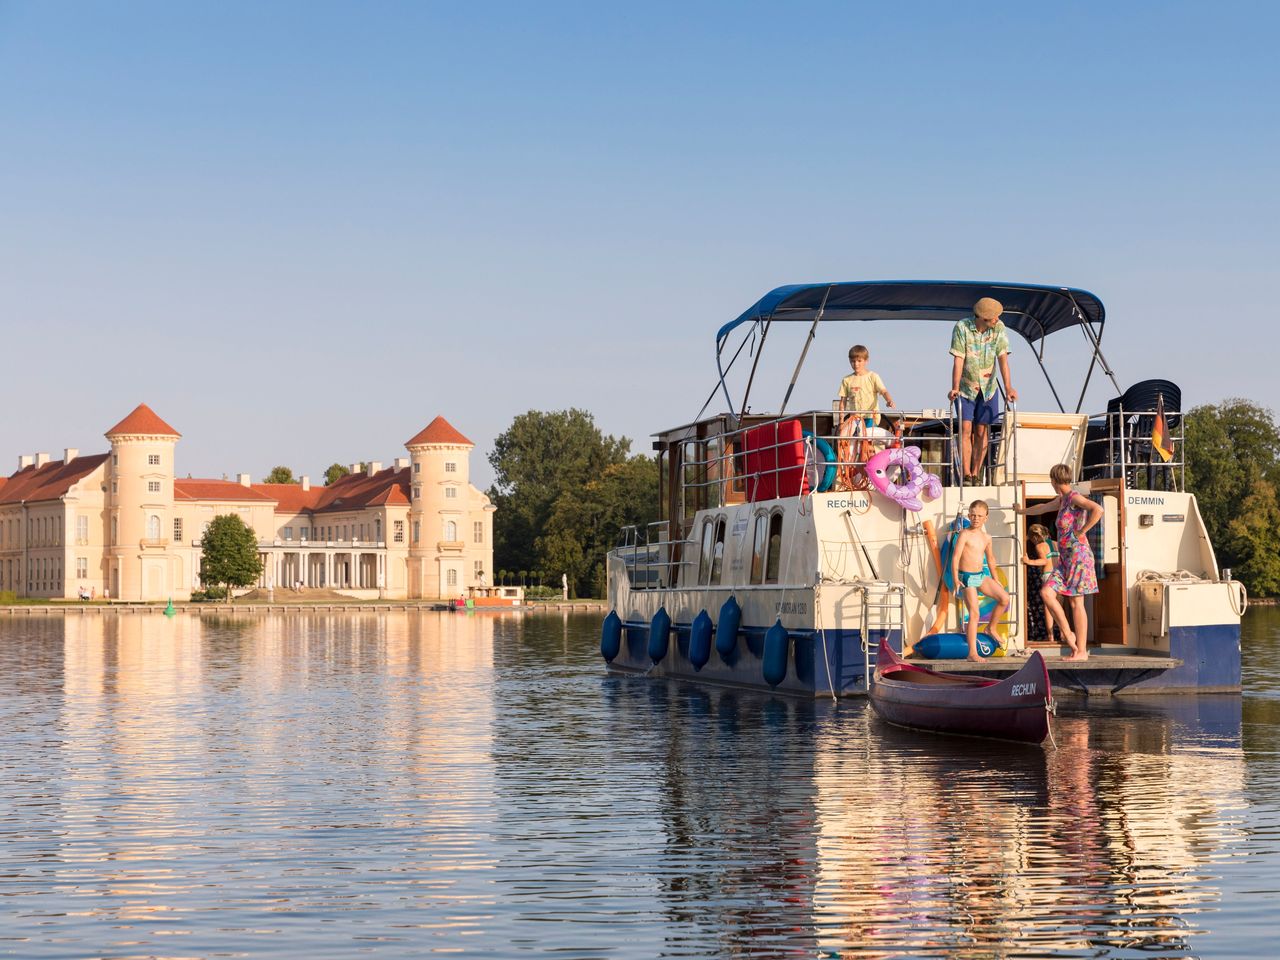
(911, 695)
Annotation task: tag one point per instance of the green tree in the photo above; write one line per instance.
(540, 457)
(585, 523)
(279, 475)
(230, 554)
(335, 473)
(1253, 540)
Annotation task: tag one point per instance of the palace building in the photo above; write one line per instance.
(123, 524)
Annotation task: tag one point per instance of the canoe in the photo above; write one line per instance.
(912, 695)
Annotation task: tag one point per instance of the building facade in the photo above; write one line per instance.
(123, 525)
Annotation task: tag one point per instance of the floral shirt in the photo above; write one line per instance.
(979, 351)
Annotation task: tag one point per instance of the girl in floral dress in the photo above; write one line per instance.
(1075, 576)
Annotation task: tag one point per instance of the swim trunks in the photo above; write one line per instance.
(974, 580)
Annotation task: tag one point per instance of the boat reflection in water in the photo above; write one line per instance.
(826, 828)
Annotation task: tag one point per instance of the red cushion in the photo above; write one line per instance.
(775, 461)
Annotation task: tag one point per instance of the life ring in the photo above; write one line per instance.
(918, 480)
(853, 449)
(828, 456)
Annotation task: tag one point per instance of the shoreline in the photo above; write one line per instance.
(123, 608)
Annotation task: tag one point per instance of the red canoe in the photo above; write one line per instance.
(1015, 708)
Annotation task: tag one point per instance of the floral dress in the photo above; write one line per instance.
(1074, 575)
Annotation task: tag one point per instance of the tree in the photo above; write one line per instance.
(279, 475)
(335, 473)
(540, 457)
(230, 554)
(585, 523)
(1253, 540)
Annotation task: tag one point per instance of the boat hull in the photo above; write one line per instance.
(910, 695)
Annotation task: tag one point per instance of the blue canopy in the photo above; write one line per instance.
(1030, 310)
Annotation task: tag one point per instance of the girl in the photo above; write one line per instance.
(1074, 576)
(1040, 562)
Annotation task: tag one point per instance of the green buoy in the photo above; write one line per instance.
(169, 611)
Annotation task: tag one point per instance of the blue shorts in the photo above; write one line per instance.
(980, 410)
(974, 580)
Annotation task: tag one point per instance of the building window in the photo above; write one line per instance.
(153, 486)
(450, 467)
(288, 533)
(450, 531)
(479, 570)
(417, 491)
(417, 530)
(153, 459)
(115, 530)
(153, 528)
(177, 529)
(451, 578)
(451, 492)
(82, 529)
(115, 459)
(398, 527)
(115, 488)
(417, 467)
(82, 567)
(477, 531)
(377, 529)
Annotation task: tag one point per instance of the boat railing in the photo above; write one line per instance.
(1120, 443)
(651, 558)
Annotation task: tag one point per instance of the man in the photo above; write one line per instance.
(978, 344)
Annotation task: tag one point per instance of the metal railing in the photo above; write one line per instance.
(1119, 444)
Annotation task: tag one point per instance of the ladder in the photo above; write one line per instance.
(884, 610)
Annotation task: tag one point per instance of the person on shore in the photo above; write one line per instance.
(978, 345)
(1074, 576)
(861, 390)
(970, 576)
(1040, 560)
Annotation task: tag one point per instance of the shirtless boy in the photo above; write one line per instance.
(967, 574)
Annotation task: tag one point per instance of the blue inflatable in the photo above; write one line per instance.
(611, 636)
(659, 635)
(777, 646)
(953, 646)
(828, 478)
(700, 640)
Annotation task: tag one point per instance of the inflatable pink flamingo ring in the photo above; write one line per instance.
(881, 467)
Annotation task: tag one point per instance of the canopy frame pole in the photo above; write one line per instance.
(746, 394)
(813, 332)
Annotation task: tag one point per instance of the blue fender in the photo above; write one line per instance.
(611, 636)
(700, 640)
(777, 647)
(659, 635)
(727, 628)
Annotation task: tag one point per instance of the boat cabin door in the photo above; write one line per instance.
(1109, 619)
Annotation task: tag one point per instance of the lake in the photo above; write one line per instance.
(404, 783)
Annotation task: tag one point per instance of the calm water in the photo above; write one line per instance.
(401, 784)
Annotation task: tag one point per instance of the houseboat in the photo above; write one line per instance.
(790, 543)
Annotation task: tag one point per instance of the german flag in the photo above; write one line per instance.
(1160, 440)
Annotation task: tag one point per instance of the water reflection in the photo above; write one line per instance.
(400, 783)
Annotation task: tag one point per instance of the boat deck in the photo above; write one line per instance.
(1104, 672)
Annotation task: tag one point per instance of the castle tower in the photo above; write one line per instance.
(444, 555)
(141, 564)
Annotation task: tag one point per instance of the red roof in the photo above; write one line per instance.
(48, 482)
(143, 421)
(439, 430)
(290, 497)
(189, 489)
(358, 490)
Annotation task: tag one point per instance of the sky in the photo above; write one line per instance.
(300, 231)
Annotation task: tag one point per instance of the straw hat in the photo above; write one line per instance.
(988, 309)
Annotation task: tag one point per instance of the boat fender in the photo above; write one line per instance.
(611, 636)
(700, 640)
(659, 635)
(828, 479)
(777, 646)
(727, 628)
(954, 646)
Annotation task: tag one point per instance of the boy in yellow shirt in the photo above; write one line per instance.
(861, 390)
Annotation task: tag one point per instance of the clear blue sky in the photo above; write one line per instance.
(299, 231)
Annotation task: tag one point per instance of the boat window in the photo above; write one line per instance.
(717, 555)
(758, 546)
(773, 560)
(704, 560)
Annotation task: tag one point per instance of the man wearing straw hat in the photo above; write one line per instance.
(978, 344)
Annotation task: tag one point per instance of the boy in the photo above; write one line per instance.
(972, 546)
(862, 389)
